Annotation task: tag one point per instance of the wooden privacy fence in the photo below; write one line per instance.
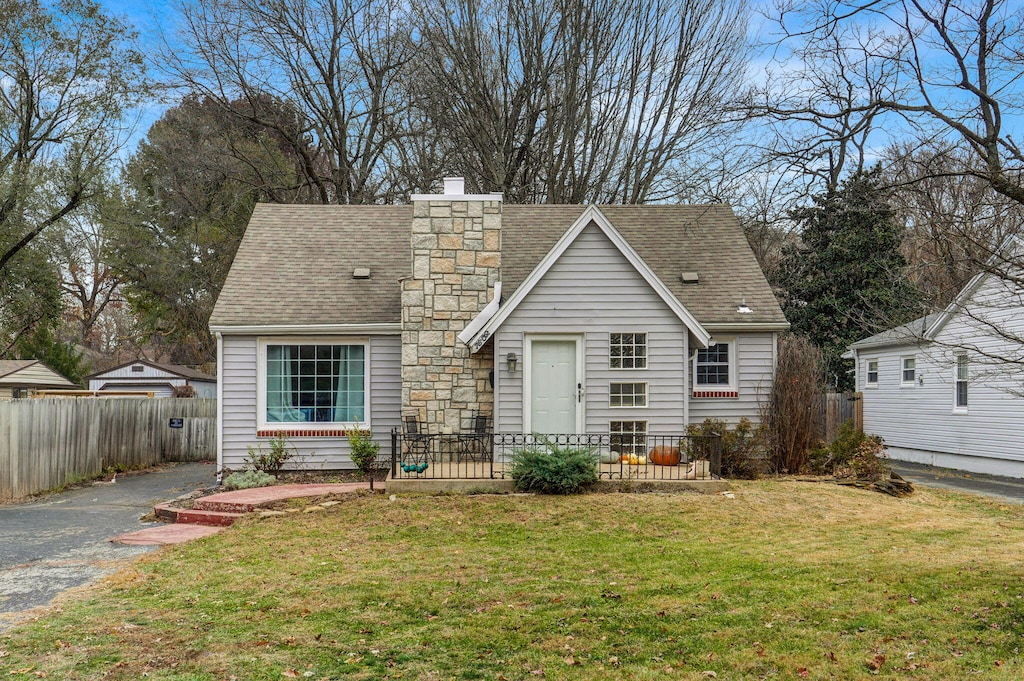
(837, 409)
(47, 443)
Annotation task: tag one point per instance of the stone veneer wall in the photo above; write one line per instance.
(456, 260)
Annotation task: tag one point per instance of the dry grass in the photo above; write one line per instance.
(786, 580)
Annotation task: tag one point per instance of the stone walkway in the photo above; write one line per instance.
(213, 513)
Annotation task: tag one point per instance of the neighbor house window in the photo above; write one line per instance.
(627, 395)
(318, 383)
(961, 382)
(909, 369)
(629, 437)
(628, 351)
(872, 377)
(712, 366)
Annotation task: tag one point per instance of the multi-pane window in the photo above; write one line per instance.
(628, 351)
(872, 378)
(316, 383)
(629, 437)
(712, 367)
(627, 395)
(909, 369)
(961, 381)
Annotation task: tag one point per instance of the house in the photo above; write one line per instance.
(159, 379)
(23, 377)
(947, 389)
(551, 319)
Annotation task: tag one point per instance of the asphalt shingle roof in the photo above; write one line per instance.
(295, 263)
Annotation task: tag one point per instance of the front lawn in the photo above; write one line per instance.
(786, 580)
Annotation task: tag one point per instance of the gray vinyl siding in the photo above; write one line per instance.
(594, 291)
(239, 418)
(920, 423)
(755, 367)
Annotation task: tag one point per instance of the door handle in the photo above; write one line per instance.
(579, 392)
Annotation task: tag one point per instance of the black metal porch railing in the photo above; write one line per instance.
(618, 457)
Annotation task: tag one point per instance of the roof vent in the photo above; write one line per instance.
(689, 278)
(743, 309)
(455, 186)
(361, 273)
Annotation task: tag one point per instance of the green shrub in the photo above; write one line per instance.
(742, 447)
(363, 451)
(272, 459)
(550, 469)
(248, 479)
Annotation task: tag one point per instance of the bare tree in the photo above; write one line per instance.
(933, 69)
(69, 73)
(567, 102)
(335, 62)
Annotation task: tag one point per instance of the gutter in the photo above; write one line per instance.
(467, 335)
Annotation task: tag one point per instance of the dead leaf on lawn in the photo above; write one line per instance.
(876, 662)
(290, 673)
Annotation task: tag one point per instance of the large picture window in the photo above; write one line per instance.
(315, 383)
(712, 366)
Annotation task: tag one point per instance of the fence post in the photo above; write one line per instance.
(394, 453)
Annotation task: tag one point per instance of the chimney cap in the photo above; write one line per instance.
(455, 186)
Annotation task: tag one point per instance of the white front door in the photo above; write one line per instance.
(555, 386)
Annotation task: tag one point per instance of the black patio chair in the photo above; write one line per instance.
(478, 444)
(416, 444)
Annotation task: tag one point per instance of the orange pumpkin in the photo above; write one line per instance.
(663, 455)
(624, 458)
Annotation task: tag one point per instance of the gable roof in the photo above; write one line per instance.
(593, 215)
(31, 372)
(906, 334)
(294, 265)
(175, 369)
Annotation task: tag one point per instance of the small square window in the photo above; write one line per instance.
(872, 373)
(628, 437)
(628, 351)
(712, 365)
(627, 395)
(909, 370)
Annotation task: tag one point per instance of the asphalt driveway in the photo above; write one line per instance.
(1005, 489)
(62, 541)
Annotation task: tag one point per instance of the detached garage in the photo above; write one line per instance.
(159, 379)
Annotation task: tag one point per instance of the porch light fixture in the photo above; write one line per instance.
(512, 360)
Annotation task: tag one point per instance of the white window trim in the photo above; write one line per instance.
(732, 386)
(645, 434)
(868, 383)
(647, 351)
(904, 383)
(261, 383)
(647, 397)
(961, 409)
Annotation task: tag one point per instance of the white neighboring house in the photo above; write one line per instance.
(159, 379)
(948, 389)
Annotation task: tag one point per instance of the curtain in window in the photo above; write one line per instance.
(349, 398)
(280, 376)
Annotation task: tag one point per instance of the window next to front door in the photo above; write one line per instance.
(313, 383)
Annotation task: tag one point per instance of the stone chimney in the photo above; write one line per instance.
(456, 261)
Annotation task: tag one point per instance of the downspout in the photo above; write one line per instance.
(220, 407)
(468, 334)
(686, 381)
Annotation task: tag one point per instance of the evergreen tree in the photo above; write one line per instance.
(845, 278)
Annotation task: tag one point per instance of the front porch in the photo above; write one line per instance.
(481, 461)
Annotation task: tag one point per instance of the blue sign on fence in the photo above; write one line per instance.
(177, 423)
